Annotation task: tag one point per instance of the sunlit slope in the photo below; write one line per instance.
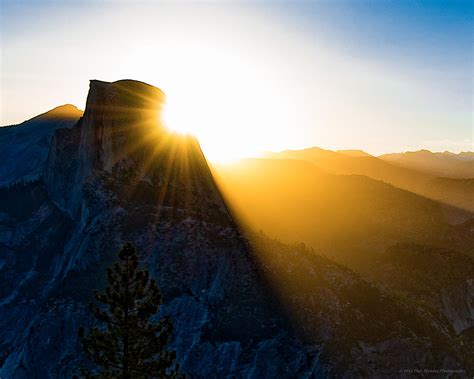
(452, 191)
(343, 214)
(440, 164)
(354, 153)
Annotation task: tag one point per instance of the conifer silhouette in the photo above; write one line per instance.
(126, 343)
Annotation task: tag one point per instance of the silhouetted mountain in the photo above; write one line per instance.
(460, 166)
(242, 305)
(455, 192)
(24, 147)
(117, 176)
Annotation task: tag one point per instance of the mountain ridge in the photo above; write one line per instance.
(116, 175)
(458, 192)
(448, 164)
(25, 146)
(65, 111)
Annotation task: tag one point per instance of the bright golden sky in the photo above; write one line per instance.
(248, 78)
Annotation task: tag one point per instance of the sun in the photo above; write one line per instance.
(175, 119)
(214, 123)
(231, 104)
(187, 117)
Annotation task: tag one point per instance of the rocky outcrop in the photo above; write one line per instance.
(439, 281)
(121, 138)
(458, 305)
(118, 124)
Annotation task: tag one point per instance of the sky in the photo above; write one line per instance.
(246, 77)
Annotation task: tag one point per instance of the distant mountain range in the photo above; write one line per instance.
(440, 164)
(446, 164)
(418, 251)
(296, 200)
(457, 192)
(303, 264)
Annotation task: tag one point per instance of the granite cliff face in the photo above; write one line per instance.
(118, 176)
(458, 305)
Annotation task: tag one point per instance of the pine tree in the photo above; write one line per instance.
(128, 344)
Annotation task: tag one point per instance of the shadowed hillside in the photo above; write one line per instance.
(373, 319)
(25, 146)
